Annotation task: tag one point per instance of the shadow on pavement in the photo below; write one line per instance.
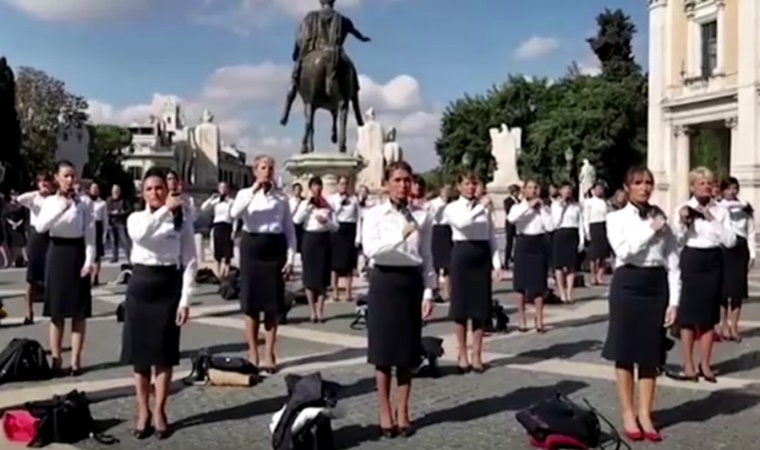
(718, 403)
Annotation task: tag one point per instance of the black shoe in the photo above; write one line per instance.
(406, 431)
(388, 433)
(145, 432)
(163, 434)
(711, 379)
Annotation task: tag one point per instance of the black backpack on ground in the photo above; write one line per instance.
(65, 419)
(499, 320)
(205, 275)
(229, 285)
(203, 361)
(24, 360)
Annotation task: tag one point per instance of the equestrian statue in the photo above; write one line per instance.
(323, 74)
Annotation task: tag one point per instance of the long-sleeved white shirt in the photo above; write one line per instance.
(568, 215)
(635, 243)
(67, 218)
(156, 242)
(595, 210)
(346, 208)
(530, 221)
(222, 208)
(383, 241)
(742, 221)
(265, 212)
(471, 221)
(436, 208)
(33, 202)
(705, 233)
(316, 220)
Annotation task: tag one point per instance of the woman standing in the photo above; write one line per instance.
(68, 265)
(222, 228)
(14, 216)
(533, 222)
(736, 260)
(704, 228)
(595, 211)
(442, 243)
(157, 299)
(344, 240)
(397, 237)
(643, 300)
(100, 213)
(318, 220)
(267, 249)
(362, 196)
(568, 240)
(297, 202)
(37, 245)
(474, 260)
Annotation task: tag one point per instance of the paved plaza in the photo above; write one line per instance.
(452, 412)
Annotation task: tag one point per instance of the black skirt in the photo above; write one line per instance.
(36, 254)
(343, 252)
(100, 249)
(530, 265)
(150, 336)
(67, 292)
(701, 287)
(394, 323)
(16, 237)
(442, 246)
(565, 242)
(470, 275)
(223, 244)
(299, 236)
(599, 248)
(316, 259)
(735, 272)
(638, 300)
(262, 286)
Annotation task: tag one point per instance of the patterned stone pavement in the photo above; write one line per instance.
(452, 412)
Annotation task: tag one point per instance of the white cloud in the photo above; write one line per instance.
(79, 10)
(232, 93)
(536, 47)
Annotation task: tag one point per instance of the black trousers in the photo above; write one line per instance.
(511, 233)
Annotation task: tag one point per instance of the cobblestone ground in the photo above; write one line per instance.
(451, 412)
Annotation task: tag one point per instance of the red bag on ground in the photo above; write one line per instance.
(19, 426)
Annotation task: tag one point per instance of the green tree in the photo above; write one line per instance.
(105, 154)
(43, 105)
(613, 45)
(10, 142)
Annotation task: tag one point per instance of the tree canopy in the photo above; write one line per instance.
(104, 166)
(601, 118)
(10, 138)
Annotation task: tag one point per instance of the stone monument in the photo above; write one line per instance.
(370, 147)
(207, 144)
(73, 144)
(586, 178)
(392, 151)
(506, 144)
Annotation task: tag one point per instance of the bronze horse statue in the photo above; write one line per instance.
(336, 95)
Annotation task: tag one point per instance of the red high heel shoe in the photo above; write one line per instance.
(634, 436)
(652, 436)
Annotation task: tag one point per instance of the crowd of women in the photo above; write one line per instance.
(688, 271)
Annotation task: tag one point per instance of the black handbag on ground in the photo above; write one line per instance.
(204, 361)
(24, 360)
(65, 419)
(559, 423)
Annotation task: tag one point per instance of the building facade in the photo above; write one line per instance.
(158, 141)
(704, 79)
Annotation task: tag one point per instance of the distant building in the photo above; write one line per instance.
(156, 141)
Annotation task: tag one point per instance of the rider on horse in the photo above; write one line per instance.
(324, 30)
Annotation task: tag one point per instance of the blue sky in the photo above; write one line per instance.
(232, 56)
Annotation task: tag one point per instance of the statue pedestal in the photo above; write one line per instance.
(498, 193)
(328, 166)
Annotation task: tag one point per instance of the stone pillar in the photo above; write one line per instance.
(722, 36)
(679, 179)
(657, 52)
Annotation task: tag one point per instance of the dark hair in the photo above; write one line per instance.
(469, 175)
(62, 164)
(155, 172)
(398, 165)
(728, 182)
(419, 181)
(296, 185)
(44, 176)
(513, 189)
(635, 172)
(171, 173)
(315, 181)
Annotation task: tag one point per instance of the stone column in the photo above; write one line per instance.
(657, 82)
(722, 36)
(734, 148)
(679, 178)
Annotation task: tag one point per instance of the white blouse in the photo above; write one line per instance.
(530, 221)
(69, 219)
(33, 202)
(703, 233)
(635, 243)
(100, 211)
(595, 210)
(222, 208)
(155, 242)
(346, 208)
(436, 207)
(742, 222)
(296, 203)
(309, 216)
(471, 221)
(384, 245)
(267, 212)
(568, 215)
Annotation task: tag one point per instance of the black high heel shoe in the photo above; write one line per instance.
(146, 431)
(162, 434)
(388, 433)
(711, 379)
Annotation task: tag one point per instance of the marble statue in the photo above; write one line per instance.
(73, 144)
(207, 140)
(369, 147)
(184, 161)
(505, 149)
(586, 178)
(392, 151)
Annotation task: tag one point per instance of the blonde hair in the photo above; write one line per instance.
(698, 173)
(260, 158)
